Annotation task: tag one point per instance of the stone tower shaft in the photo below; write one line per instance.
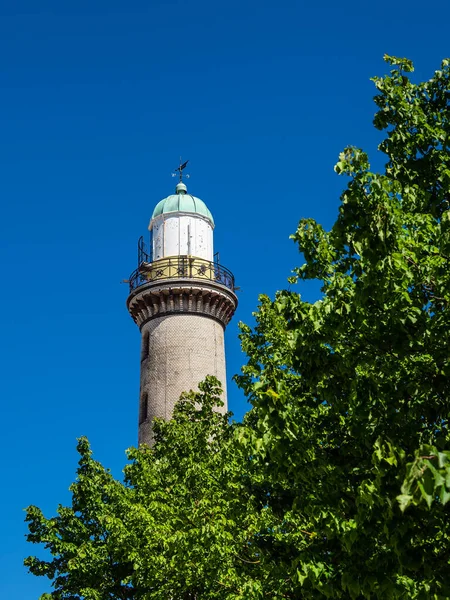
(182, 304)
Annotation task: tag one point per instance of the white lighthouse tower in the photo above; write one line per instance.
(182, 300)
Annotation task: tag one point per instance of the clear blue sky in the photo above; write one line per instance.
(98, 100)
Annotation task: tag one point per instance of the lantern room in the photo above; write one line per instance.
(181, 225)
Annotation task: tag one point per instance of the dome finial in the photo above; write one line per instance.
(181, 188)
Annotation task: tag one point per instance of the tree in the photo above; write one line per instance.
(178, 527)
(352, 393)
(337, 482)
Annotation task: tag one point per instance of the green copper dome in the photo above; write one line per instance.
(182, 202)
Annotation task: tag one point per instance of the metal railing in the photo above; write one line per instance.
(180, 267)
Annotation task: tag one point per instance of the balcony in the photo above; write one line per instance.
(180, 267)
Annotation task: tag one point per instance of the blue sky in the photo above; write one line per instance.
(98, 99)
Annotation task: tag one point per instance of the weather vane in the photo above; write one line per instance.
(179, 170)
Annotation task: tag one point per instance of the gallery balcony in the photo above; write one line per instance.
(181, 267)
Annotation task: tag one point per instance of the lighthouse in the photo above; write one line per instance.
(181, 299)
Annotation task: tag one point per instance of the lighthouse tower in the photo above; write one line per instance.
(182, 300)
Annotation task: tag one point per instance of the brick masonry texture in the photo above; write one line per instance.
(177, 352)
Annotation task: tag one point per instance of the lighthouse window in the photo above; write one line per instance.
(143, 409)
(145, 339)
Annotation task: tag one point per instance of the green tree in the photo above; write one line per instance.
(337, 482)
(179, 527)
(351, 394)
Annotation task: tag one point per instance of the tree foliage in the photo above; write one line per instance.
(177, 528)
(336, 485)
